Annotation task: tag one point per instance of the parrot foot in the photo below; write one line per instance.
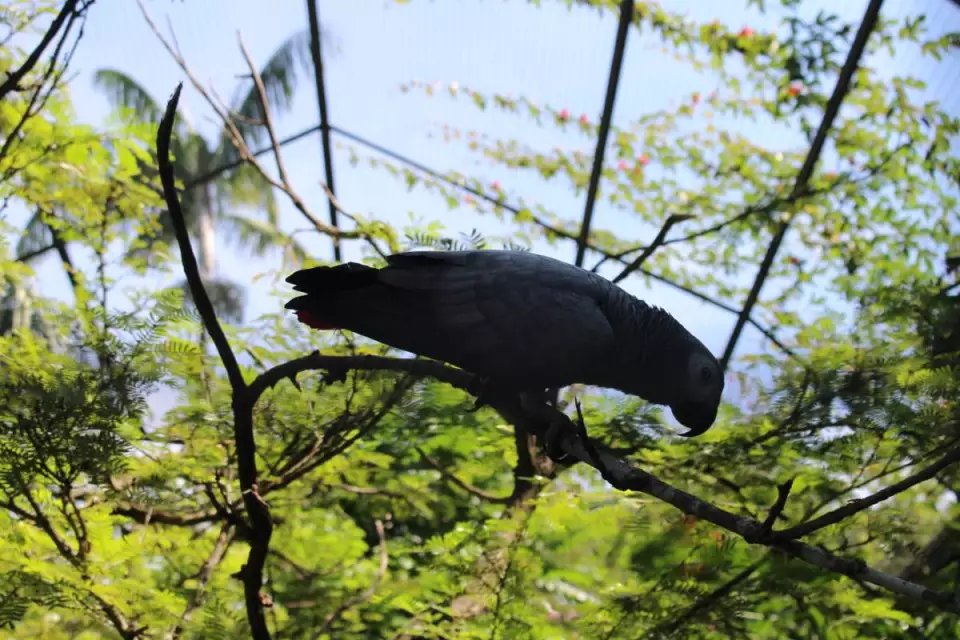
(595, 460)
(553, 443)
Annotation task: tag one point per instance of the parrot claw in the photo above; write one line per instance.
(553, 443)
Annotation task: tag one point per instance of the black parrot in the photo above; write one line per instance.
(523, 321)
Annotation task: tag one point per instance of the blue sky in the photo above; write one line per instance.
(552, 54)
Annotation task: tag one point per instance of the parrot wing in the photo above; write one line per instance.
(520, 319)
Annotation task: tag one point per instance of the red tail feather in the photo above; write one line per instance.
(312, 321)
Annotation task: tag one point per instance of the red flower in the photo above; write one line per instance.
(795, 88)
(695, 98)
(622, 165)
(496, 186)
(584, 119)
(746, 32)
(564, 114)
(643, 159)
(469, 199)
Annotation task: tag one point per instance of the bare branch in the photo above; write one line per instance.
(190, 266)
(341, 364)
(236, 138)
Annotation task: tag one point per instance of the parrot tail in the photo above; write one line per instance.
(323, 286)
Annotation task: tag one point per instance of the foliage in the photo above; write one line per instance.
(399, 510)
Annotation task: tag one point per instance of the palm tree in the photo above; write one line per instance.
(211, 205)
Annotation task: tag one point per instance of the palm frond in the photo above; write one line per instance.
(226, 297)
(260, 235)
(124, 91)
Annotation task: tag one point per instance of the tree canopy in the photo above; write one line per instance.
(318, 484)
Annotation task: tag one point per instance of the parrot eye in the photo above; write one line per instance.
(704, 376)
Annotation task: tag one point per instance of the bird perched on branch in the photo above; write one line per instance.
(522, 321)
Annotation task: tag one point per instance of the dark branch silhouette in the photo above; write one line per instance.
(261, 525)
(12, 81)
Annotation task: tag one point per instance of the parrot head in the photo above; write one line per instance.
(677, 370)
(696, 391)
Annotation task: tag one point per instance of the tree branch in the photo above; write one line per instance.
(369, 592)
(261, 525)
(190, 267)
(12, 82)
(568, 439)
(658, 241)
(855, 506)
(466, 486)
(203, 578)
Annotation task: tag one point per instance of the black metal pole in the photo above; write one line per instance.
(315, 48)
(626, 16)
(813, 155)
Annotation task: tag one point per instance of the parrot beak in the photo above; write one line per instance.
(698, 417)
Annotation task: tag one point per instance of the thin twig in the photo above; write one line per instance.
(369, 592)
(855, 506)
(216, 172)
(219, 550)
(466, 486)
(12, 82)
(783, 492)
(669, 629)
(236, 138)
(658, 241)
